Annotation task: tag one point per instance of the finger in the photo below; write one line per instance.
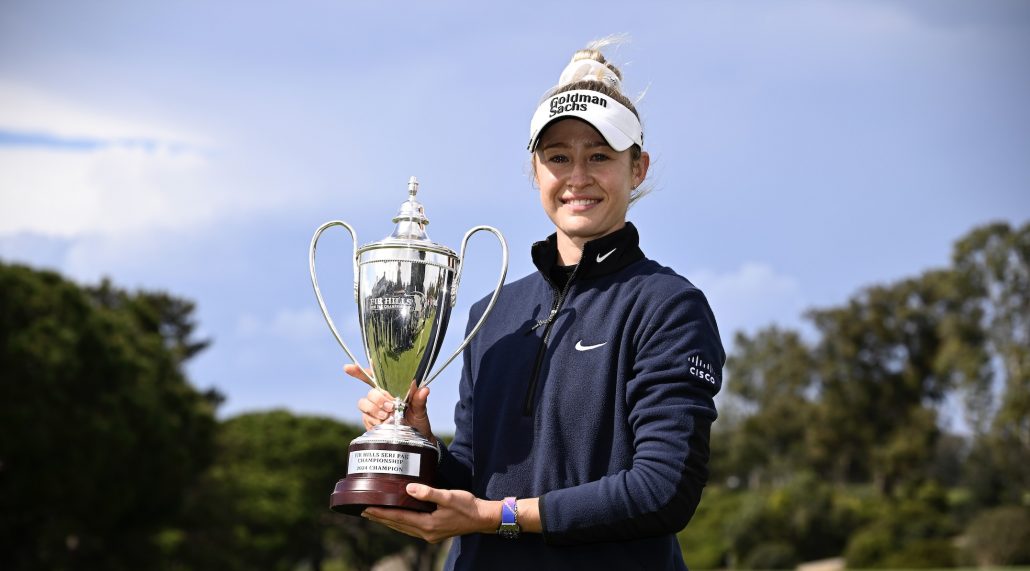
(374, 403)
(358, 373)
(373, 410)
(377, 403)
(419, 401)
(367, 407)
(396, 517)
(420, 398)
(380, 398)
(428, 494)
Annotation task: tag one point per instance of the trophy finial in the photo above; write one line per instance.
(411, 218)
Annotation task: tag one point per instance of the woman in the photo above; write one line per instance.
(585, 402)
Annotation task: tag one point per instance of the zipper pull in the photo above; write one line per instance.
(542, 322)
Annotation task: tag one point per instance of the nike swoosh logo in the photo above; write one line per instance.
(601, 258)
(581, 347)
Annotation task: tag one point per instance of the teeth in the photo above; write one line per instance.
(582, 201)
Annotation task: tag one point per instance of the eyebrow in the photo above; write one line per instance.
(564, 144)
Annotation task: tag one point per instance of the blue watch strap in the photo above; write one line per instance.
(509, 528)
(509, 511)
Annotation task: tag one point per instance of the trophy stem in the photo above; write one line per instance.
(398, 411)
(381, 463)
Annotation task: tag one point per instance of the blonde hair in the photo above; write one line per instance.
(593, 52)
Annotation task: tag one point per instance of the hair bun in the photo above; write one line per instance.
(589, 69)
(593, 52)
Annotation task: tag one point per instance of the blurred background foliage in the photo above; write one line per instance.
(895, 433)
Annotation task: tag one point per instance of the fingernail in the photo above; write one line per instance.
(382, 415)
(388, 406)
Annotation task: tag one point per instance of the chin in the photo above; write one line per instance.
(582, 233)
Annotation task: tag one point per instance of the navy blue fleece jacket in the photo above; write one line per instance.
(597, 398)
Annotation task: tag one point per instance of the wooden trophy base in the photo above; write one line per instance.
(377, 474)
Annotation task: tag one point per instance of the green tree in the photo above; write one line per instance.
(159, 313)
(773, 374)
(911, 530)
(804, 513)
(265, 501)
(864, 405)
(887, 360)
(705, 543)
(996, 260)
(100, 433)
(999, 536)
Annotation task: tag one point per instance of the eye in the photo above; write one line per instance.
(557, 159)
(600, 157)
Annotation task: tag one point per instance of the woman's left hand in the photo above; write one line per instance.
(457, 513)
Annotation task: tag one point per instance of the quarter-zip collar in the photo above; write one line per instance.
(605, 255)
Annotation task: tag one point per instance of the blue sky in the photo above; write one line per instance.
(801, 150)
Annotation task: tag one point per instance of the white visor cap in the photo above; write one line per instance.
(616, 123)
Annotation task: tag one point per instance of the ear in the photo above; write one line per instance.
(640, 167)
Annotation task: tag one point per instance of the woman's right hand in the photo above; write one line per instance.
(377, 406)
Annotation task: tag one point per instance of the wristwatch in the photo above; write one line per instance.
(509, 528)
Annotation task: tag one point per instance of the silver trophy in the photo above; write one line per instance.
(405, 286)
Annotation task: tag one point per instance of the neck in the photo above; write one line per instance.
(570, 250)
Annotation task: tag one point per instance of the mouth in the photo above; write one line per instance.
(580, 201)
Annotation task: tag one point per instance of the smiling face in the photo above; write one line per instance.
(584, 184)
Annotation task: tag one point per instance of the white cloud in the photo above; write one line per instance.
(69, 171)
(109, 186)
(112, 190)
(750, 297)
(28, 109)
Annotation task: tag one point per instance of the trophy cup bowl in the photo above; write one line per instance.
(405, 286)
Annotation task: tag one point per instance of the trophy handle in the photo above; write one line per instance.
(493, 298)
(314, 279)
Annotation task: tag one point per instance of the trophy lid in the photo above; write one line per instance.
(411, 218)
(410, 231)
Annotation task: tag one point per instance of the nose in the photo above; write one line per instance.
(580, 175)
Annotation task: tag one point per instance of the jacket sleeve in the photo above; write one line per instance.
(455, 470)
(676, 372)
